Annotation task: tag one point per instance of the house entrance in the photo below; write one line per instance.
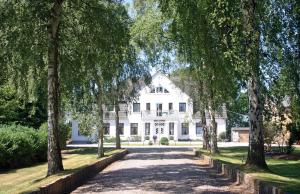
(159, 132)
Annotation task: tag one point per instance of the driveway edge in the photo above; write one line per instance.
(70, 182)
(234, 173)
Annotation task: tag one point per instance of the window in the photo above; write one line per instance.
(121, 128)
(147, 106)
(171, 128)
(159, 90)
(182, 107)
(170, 106)
(106, 128)
(136, 107)
(152, 90)
(147, 128)
(184, 128)
(110, 107)
(133, 129)
(166, 91)
(199, 129)
(161, 130)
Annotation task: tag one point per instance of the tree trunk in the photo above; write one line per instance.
(205, 130)
(256, 155)
(118, 140)
(100, 122)
(214, 140)
(54, 153)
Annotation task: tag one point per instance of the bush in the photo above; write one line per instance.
(150, 143)
(21, 146)
(222, 136)
(64, 134)
(164, 141)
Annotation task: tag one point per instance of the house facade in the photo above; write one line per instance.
(161, 110)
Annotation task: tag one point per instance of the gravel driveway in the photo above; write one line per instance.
(159, 170)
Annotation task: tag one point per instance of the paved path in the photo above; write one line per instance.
(147, 170)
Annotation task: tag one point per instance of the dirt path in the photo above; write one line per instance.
(159, 170)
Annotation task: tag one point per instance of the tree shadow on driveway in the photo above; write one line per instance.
(159, 172)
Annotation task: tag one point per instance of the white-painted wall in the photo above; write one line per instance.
(174, 96)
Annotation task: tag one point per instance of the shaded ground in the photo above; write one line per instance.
(153, 170)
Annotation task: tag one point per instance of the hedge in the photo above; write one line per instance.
(21, 146)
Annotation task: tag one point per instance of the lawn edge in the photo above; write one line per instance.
(70, 182)
(234, 173)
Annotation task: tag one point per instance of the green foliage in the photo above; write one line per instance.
(21, 146)
(222, 136)
(237, 113)
(15, 110)
(65, 131)
(150, 143)
(164, 141)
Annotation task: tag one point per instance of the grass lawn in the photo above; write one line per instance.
(25, 179)
(284, 173)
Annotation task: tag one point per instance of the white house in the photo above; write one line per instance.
(161, 110)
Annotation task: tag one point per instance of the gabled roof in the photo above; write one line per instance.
(164, 75)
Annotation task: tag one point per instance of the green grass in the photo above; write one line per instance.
(284, 173)
(25, 179)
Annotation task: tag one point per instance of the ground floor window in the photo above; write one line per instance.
(121, 128)
(199, 129)
(106, 128)
(184, 128)
(147, 128)
(133, 129)
(171, 128)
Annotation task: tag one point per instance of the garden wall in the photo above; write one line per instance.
(235, 174)
(71, 182)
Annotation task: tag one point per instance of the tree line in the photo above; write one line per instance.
(79, 55)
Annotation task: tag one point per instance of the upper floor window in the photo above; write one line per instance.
(147, 106)
(110, 107)
(152, 90)
(136, 107)
(182, 107)
(159, 89)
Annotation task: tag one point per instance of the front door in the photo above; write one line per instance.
(159, 109)
(159, 130)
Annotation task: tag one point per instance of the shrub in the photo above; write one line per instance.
(222, 136)
(164, 141)
(21, 146)
(64, 133)
(150, 143)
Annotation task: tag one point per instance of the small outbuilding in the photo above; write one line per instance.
(240, 134)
